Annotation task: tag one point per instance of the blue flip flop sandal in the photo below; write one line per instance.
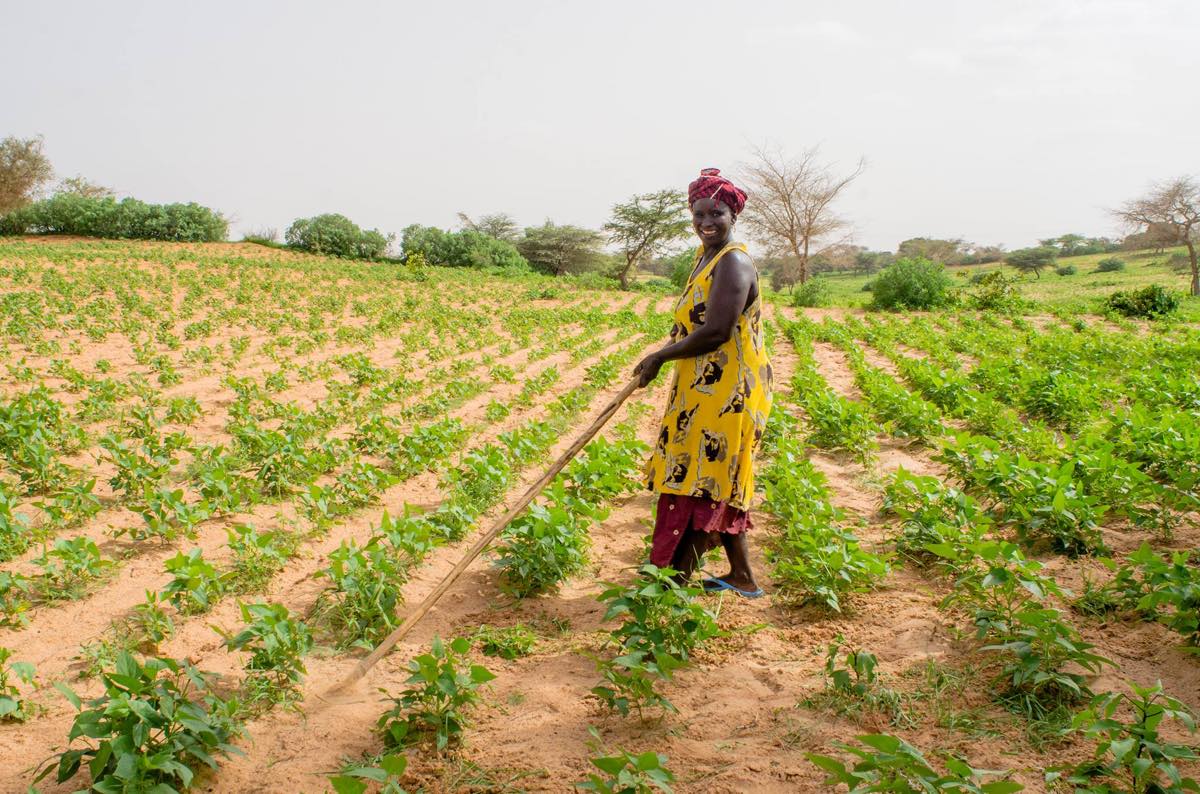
(715, 585)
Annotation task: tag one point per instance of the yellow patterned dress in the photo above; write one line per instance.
(718, 406)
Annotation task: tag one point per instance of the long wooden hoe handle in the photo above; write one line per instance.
(413, 617)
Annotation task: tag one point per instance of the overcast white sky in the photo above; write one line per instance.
(999, 122)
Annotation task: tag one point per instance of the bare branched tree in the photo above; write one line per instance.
(24, 171)
(790, 210)
(497, 225)
(1171, 209)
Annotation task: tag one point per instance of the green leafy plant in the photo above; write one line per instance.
(889, 764)
(856, 687)
(13, 707)
(257, 557)
(154, 727)
(70, 567)
(195, 584)
(1132, 757)
(359, 606)
(1150, 302)
(662, 622)
(387, 770)
(443, 685)
(277, 645)
(508, 642)
(629, 773)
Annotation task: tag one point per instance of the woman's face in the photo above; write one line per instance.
(712, 220)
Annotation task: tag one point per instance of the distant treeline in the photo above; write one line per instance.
(67, 213)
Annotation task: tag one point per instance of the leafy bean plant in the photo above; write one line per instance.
(387, 770)
(443, 685)
(857, 687)
(195, 584)
(13, 707)
(70, 567)
(662, 623)
(359, 606)
(156, 725)
(1039, 651)
(1162, 588)
(629, 773)
(887, 763)
(509, 642)
(813, 559)
(277, 645)
(1132, 756)
(932, 513)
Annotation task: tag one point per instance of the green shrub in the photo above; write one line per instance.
(1152, 301)
(1110, 265)
(1066, 270)
(629, 773)
(336, 235)
(912, 284)
(442, 686)
(467, 248)
(814, 292)
(125, 219)
(155, 725)
(995, 292)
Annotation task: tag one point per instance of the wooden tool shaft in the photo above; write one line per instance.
(486, 538)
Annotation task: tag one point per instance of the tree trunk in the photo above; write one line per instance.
(629, 263)
(1195, 269)
(804, 262)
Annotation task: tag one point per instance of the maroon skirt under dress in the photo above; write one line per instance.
(677, 514)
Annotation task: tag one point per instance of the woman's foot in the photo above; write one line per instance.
(738, 580)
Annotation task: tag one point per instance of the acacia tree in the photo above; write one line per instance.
(1032, 260)
(561, 249)
(791, 207)
(24, 171)
(81, 186)
(498, 225)
(1172, 209)
(646, 224)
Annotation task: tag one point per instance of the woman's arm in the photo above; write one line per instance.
(731, 286)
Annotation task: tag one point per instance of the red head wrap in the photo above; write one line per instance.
(714, 186)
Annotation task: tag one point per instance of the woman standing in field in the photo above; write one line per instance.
(702, 466)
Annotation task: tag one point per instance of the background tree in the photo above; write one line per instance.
(24, 171)
(80, 186)
(790, 210)
(947, 252)
(643, 226)
(561, 249)
(498, 225)
(1032, 260)
(1173, 210)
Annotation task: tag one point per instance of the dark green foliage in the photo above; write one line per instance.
(443, 684)
(336, 235)
(912, 284)
(1110, 265)
(629, 773)
(467, 248)
(1066, 270)
(13, 707)
(889, 764)
(662, 623)
(995, 292)
(125, 219)
(814, 292)
(510, 642)
(1131, 756)
(1032, 260)
(1149, 302)
(154, 727)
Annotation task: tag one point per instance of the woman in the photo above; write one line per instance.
(703, 462)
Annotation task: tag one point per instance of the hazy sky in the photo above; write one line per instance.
(999, 122)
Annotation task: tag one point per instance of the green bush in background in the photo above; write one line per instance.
(336, 235)
(90, 216)
(814, 292)
(912, 284)
(1110, 265)
(466, 248)
(1152, 301)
